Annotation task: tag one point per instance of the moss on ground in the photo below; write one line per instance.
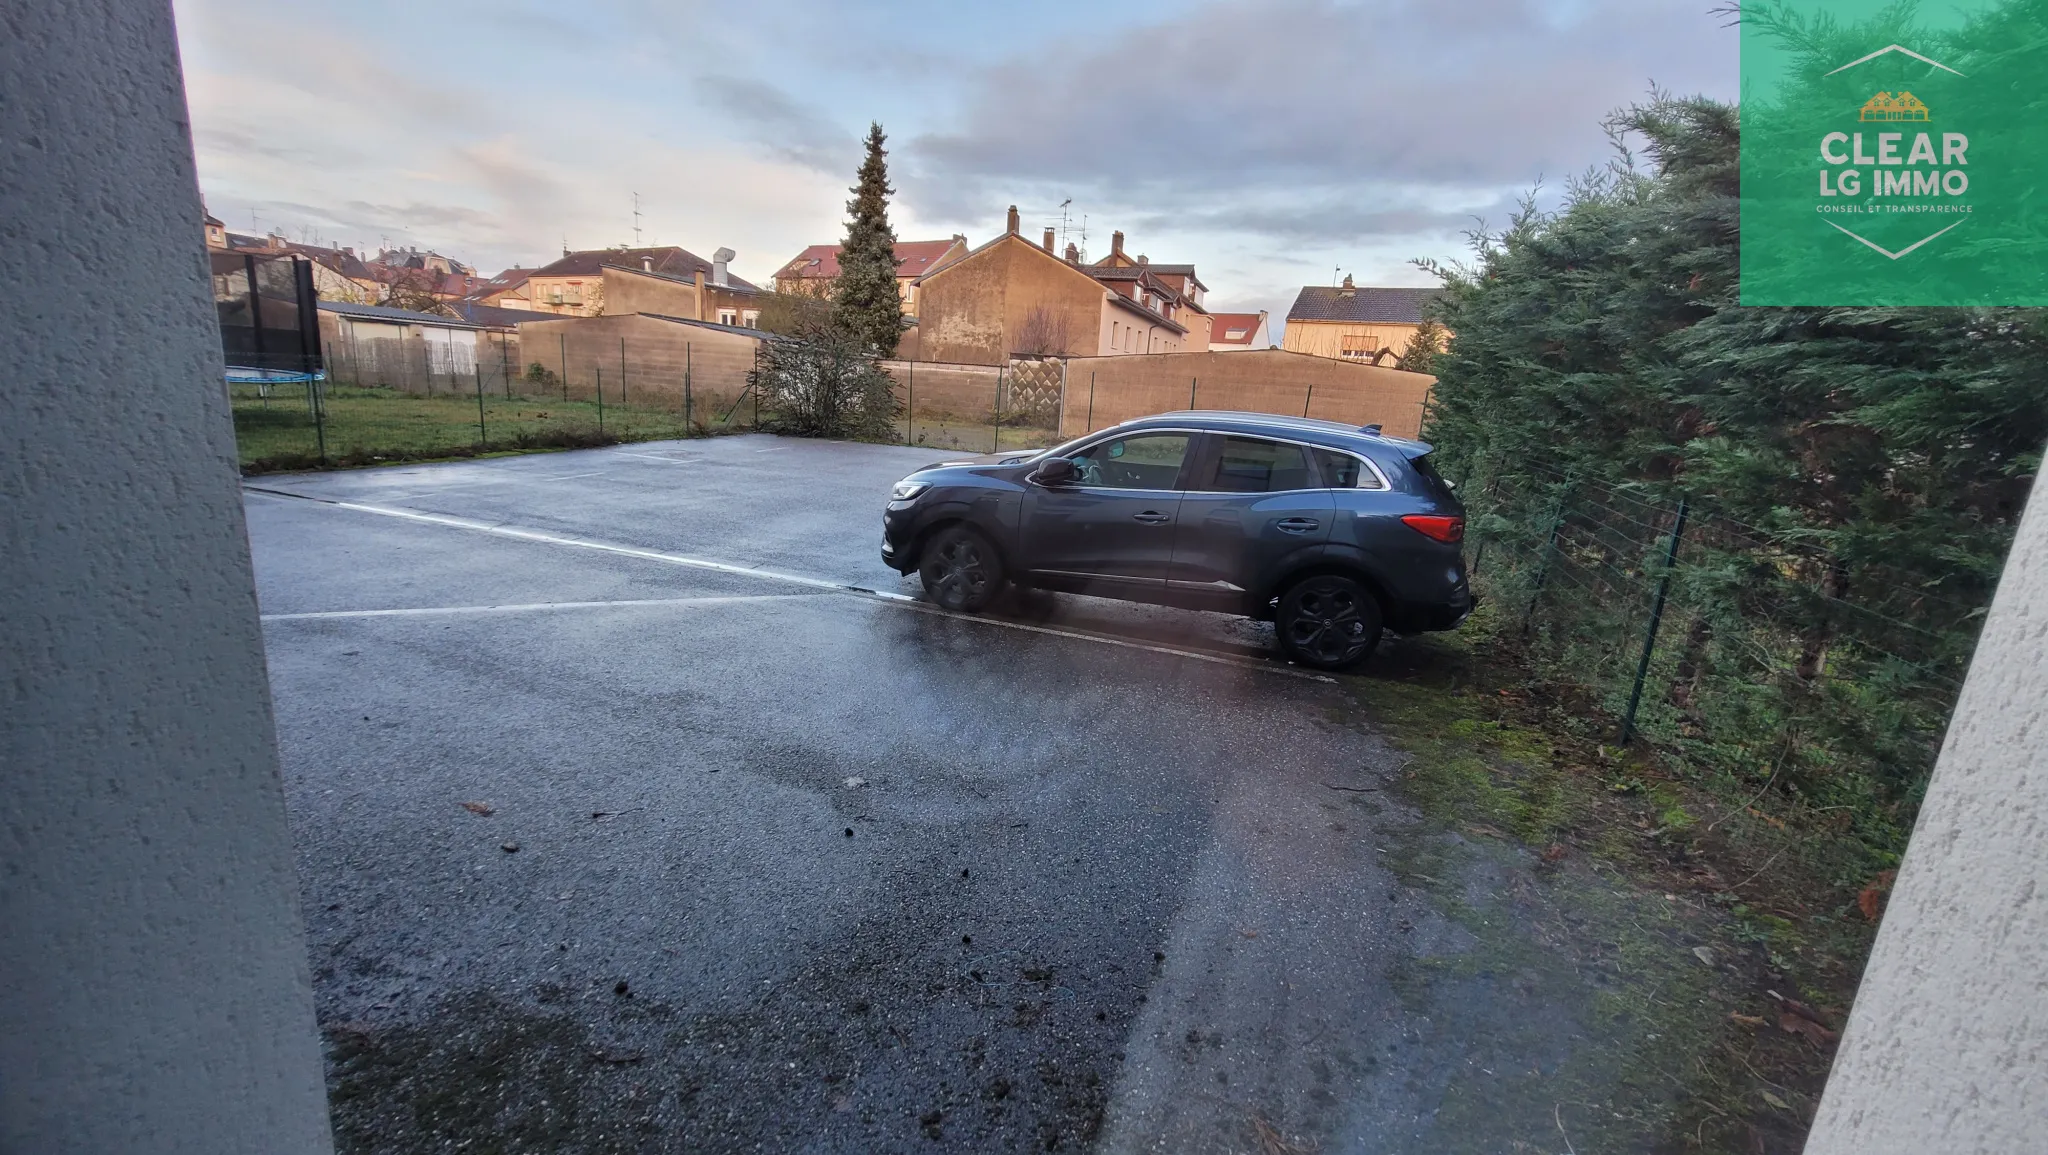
(1603, 900)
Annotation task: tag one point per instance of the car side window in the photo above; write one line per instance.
(1255, 465)
(1343, 471)
(1140, 461)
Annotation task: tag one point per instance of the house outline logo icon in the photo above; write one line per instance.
(1885, 108)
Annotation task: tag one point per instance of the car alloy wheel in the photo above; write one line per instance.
(960, 570)
(1329, 622)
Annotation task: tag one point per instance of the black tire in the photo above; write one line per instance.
(960, 569)
(1328, 621)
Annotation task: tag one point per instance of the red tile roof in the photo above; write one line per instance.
(1222, 323)
(913, 259)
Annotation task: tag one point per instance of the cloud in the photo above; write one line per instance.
(1323, 99)
(786, 127)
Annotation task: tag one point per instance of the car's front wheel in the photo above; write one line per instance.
(960, 570)
(1328, 621)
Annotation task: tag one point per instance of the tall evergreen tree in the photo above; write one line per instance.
(866, 305)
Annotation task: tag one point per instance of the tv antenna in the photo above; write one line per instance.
(636, 220)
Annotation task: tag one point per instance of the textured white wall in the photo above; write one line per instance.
(154, 994)
(1947, 1047)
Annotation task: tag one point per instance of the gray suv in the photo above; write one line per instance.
(1332, 532)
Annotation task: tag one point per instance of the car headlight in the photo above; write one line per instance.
(905, 490)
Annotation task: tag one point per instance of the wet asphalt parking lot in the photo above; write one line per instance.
(758, 863)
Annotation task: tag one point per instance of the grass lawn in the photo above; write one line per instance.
(364, 425)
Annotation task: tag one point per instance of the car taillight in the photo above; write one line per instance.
(1448, 530)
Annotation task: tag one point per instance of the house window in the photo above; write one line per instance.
(1233, 334)
(728, 317)
(751, 318)
(1361, 347)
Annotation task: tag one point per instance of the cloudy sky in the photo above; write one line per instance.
(1271, 142)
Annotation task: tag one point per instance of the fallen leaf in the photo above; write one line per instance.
(509, 847)
(1704, 954)
(481, 809)
(1249, 933)
(1555, 852)
(1774, 1101)
(1747, 1020)
(856, 783)
(1806, 1028)
(1871, 901)
(1779, 823)
(618, 1057)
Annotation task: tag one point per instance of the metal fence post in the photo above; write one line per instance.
(999, 411)
(688, 400)
(1635, 695)
(564, 339)
(1192, 382)
(1059, 426)
(910, 402)
(505, 364)
(482, 436)
(599, 369)
(1543, 564)
(622, 371)
(1311, 396)
(319, 417)
(1091, 402)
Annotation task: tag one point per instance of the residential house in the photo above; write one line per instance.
(216, 234)
(666, 279)
(412, 258)
(1354, 322)
(507, 290)
(1238, 332)
(812, 271)
(1011, 297)
(1172, 289)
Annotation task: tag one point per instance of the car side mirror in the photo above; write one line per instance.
(1054, 471)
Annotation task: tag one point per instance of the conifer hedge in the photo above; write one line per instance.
(1853, 477)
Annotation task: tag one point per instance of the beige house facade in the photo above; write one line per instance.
(1351, 322)
(576, 285)
(1011, 297)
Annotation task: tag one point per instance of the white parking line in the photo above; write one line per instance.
(530, 607)
(653, 457)
(903, 600)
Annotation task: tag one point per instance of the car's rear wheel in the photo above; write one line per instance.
(961, 569)
(1328, 621)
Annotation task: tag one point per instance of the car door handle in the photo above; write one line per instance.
(1296, 524)
(1151, 517)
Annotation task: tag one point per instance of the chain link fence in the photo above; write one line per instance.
(1759, 653)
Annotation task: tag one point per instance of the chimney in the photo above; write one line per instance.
(1073, 254)
(719, 261)
(1349, 289)
(1047, 244)
(1013, 220)
(1116, 243)
(1143, 260)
